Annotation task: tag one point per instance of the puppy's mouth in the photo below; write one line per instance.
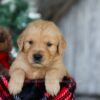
(37, 64)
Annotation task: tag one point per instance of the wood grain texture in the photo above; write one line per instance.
(81, 27)
(53, 9)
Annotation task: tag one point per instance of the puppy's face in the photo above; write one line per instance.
(42, 43)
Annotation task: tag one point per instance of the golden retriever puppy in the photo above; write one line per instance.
(41, 48)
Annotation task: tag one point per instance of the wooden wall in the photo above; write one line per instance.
(81, 27)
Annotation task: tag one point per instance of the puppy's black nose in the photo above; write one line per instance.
(37, 58)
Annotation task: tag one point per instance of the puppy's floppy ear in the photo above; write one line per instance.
(61, 45)
(20, 42)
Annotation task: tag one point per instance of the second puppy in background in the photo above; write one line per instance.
(41, 47)
(5, 48)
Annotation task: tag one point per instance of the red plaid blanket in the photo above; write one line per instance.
(4, 59)
(35, 90)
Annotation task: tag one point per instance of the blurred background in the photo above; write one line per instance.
(79, 21)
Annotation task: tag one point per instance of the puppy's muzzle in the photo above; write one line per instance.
(37, 58)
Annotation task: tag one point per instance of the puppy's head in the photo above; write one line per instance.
(5, 39)
(42, 43)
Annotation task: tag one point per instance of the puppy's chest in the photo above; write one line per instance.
(36, 74)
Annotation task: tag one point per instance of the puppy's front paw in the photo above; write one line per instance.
(52, 87)
(14, 87)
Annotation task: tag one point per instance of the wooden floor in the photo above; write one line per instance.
(86, 98)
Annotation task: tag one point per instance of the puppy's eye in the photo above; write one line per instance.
(30, 42)
(49, 44)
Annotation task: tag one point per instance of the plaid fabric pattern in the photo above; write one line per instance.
(35, 90)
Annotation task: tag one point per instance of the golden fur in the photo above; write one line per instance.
(35, 38)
